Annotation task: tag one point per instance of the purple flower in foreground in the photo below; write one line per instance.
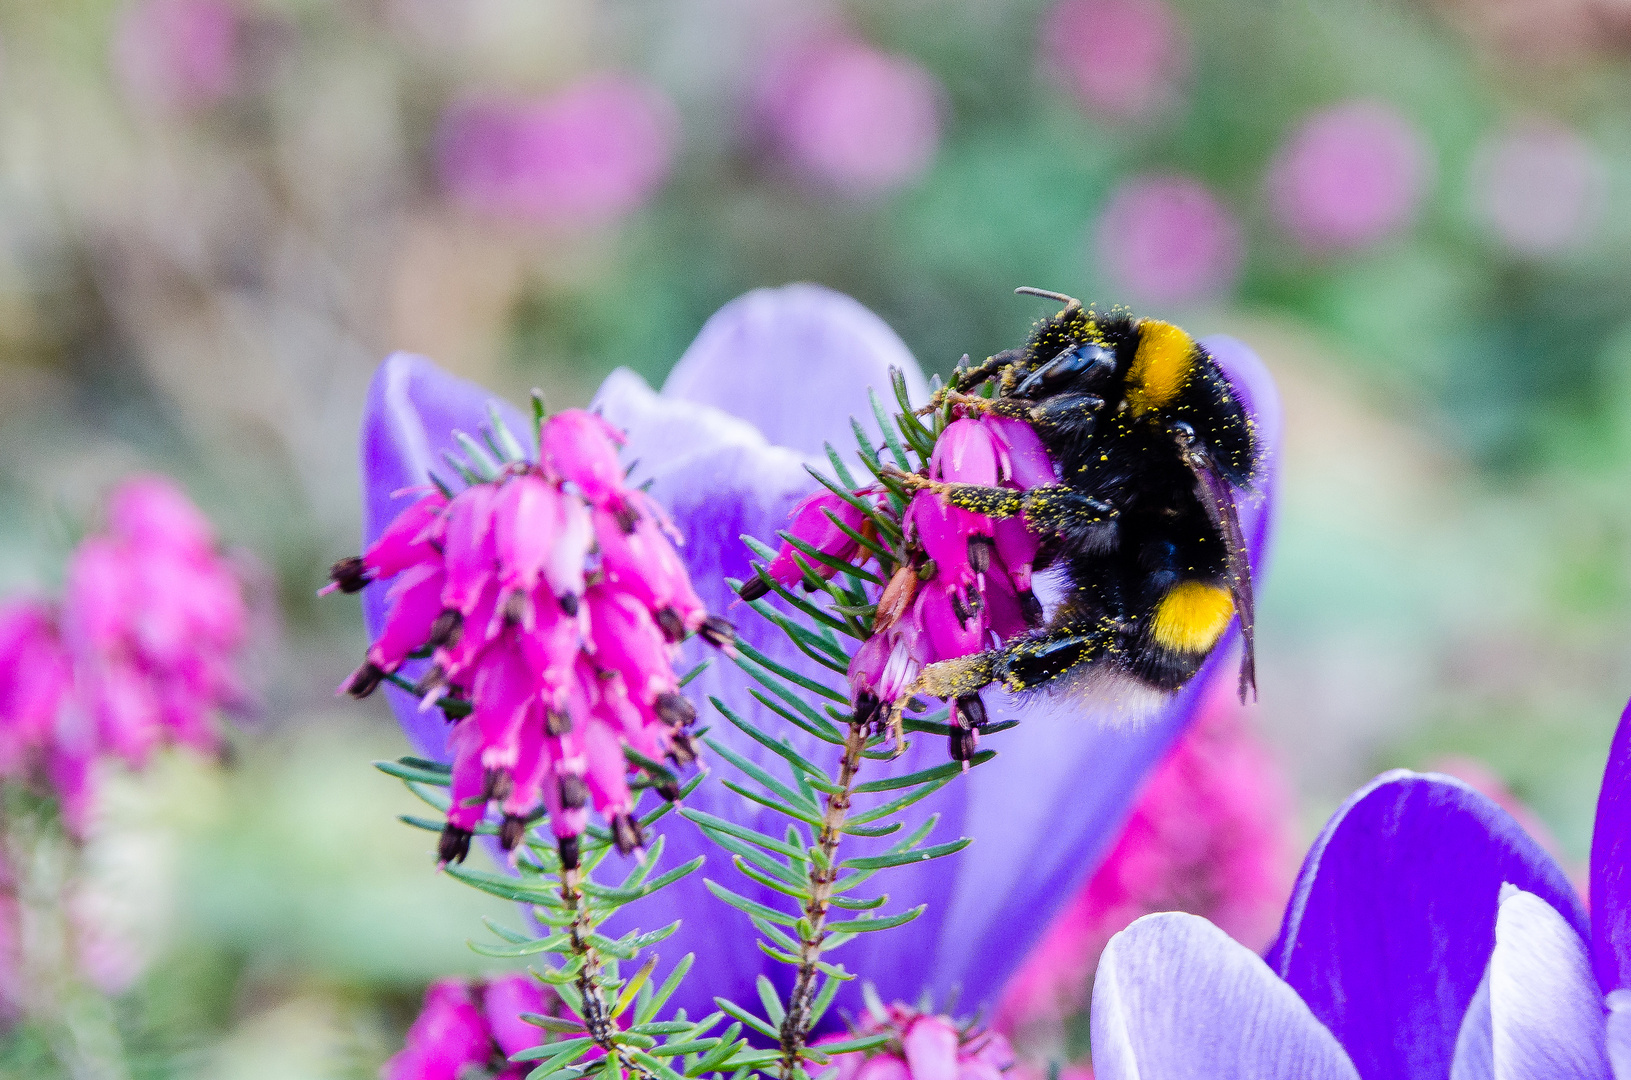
(1428, 936)
(1349, 176)
(1168, 240)
(791, 366)
(585, 156)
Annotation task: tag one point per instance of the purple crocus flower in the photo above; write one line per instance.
(1428, 936)
(725, 446)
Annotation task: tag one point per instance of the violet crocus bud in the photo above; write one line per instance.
(552, 601)
(812, 526)
(922, 1046)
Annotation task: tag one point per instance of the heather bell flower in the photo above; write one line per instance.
(921, 1046)
(470, 1030)
(549, 599)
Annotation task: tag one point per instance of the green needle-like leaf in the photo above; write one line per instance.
(747, 1018)
(925, 776)
(404, 771)
(862, 926)
(768, 998)
(751, 907)
(905, 858)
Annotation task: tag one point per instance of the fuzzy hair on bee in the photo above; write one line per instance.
(1154, 451)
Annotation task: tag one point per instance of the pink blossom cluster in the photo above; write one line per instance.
(1124, 60)
(923, 1046)
(582, 157)
(472, 1026)
(1210, 834)
(966, 579)
(138, 654)
(550, 602)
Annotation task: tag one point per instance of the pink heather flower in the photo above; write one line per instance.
(1539, 186)
(584, 156)
(473, 1026)
(178, 54)
(153, 617)
(36, 678)
(1167, 240)
(1349, 176)
(811, 524)
(1123, 59)
(1210, 834)
(851, 118)
(552, 601)
(922, 1047)
(969, 584)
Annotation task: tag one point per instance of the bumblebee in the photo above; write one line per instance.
(1153, 449)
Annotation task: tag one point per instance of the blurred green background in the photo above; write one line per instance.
(217, 216)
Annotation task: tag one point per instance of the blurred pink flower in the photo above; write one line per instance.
(923, 1046)
(1539, 186)
(153, 617)
(1167, 240)
(36, 677)
(850, 117)
(1349, 176)
(178, 54)
(1123, 59)
(469, 1029)
(582, 157)
(1211, 834)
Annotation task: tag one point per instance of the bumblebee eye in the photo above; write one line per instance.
(1083, 360)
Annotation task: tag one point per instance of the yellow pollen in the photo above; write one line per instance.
(1191, 617)
(1161, 366)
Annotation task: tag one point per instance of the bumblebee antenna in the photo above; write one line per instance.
(1068, 301)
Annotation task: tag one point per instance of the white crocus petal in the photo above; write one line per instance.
(1474, 1045)
(1175, 998)
(1619, 1034)
(1546, 1011)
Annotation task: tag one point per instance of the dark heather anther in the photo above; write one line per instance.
(454, 844)
(511, 831)
(957, 605)
(1031, 608)
(574, 792)
(753, 590)
(569, 603)
(717, 631)
(627, 519)
(866, 707)
(671, 792)
(979, 553)
(626, 834)
(569, 852)
(497, 784)
(516, 606)
(670, 623)
(674, 710)
(349, 574)
(446, 629)
(556, 722)
(681, 749)
(976, 601)
(963, 742)
(364, 681)
(430, 680)
(972, 710)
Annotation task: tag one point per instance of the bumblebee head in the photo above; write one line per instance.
(1078, 366)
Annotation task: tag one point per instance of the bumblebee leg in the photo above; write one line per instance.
(1066, 415)
(968, 378)
(1038, 659)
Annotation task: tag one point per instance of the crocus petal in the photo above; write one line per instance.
(795, 362)
(1611, 866)
(1546, 1013)
(1475, 1042)
(1619, 1033)
(1393, 917)
(1176, 998)
(413, 409)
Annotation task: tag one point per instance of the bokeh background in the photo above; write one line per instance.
(216, 216)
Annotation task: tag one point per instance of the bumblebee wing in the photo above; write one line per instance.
(1218, 496)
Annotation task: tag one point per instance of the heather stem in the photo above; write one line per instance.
(597, 1014)
(823, 872)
